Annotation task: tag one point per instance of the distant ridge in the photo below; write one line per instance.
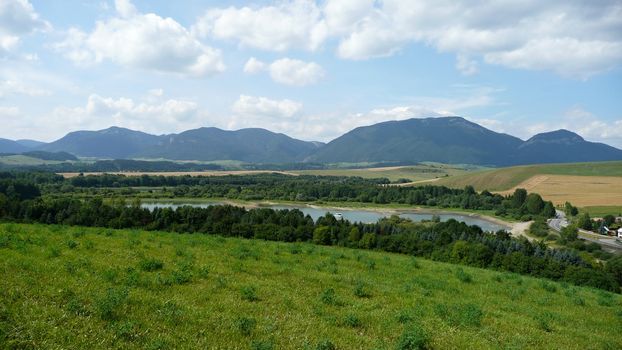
(445, 139)
(457, 140)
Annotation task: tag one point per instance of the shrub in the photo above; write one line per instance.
(549, 287)
(108, 305)
(329, 297)
(151, 265)
(466, 315)
(262, 345)
(353, 321)
(325, 345)
(413, 338)
(71, 244)
(249, 293)
(544, 321)
(245, 325)
(360, 290)
(463, 276)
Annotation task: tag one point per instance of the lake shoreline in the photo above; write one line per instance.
(513, 227)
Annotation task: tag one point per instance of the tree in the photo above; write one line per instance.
(534, 203)
(322, 235)
(608, 220)
(355, 234)
(570, 210)
(519, 197)
(585, 222)
(549, 210)
(614, 267)
(569, 233)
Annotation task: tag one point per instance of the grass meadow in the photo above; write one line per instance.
(73, 287)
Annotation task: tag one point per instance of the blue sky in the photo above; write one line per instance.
(310, 69)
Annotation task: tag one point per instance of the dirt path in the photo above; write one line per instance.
(520, 229)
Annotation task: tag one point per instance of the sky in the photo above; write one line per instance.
(310, 69)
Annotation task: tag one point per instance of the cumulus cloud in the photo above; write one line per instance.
(253, 66)
(573, 39)
(143, 41)
(287, 25)
(288, 71)
(17, 18)
(14, 87)
(265, 107)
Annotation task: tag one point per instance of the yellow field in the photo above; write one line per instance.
(582, 191)
(412, 172)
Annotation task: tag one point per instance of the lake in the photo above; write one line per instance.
(354, 215)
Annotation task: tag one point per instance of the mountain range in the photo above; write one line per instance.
(446, 140)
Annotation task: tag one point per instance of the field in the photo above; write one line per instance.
(75, 287)
(584, 184)
(425, 171)
(22, 160)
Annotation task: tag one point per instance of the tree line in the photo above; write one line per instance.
(520, 205)
(449, 241)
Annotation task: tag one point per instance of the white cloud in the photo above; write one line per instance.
(14, 87)
(143, 41)
(8, 112)
(570, 38)
(265, 107)
(253, 66)
(288, 71)
(465, 65)
(17, 18)
(295, 72)
(287, 25)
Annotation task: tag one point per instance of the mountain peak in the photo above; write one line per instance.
(561, 135)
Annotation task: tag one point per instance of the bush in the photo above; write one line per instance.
(249, 293)
(360, 290)
(353, 321)
(467, 315)
(245, 325)
(413, 338)
(329, 297)
(463, 276)
(151, 265)
(109, 304)
(325, 345)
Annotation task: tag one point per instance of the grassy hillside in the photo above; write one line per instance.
(98, 288)
(507, 178)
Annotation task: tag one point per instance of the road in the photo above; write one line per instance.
(560, 222)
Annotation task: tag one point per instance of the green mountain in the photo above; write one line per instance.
(204, 144)
(248, 145)
(563, 146)
(10, 146)
(445, 140)
(456, 140)
(113, 142)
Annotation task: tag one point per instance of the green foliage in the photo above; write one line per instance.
(460, 315)
(249, 293)
(584, 221)
(245, 325)
(413, 338)
(108, 305)
(463, 276)
(151, 264)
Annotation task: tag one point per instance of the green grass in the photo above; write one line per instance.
(19, 159)
(506, 178)
(150, 290)
(600, 211)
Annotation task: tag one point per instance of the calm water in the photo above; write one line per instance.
(354, 215)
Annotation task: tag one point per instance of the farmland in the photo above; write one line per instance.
(75, 287)
(586, 185)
